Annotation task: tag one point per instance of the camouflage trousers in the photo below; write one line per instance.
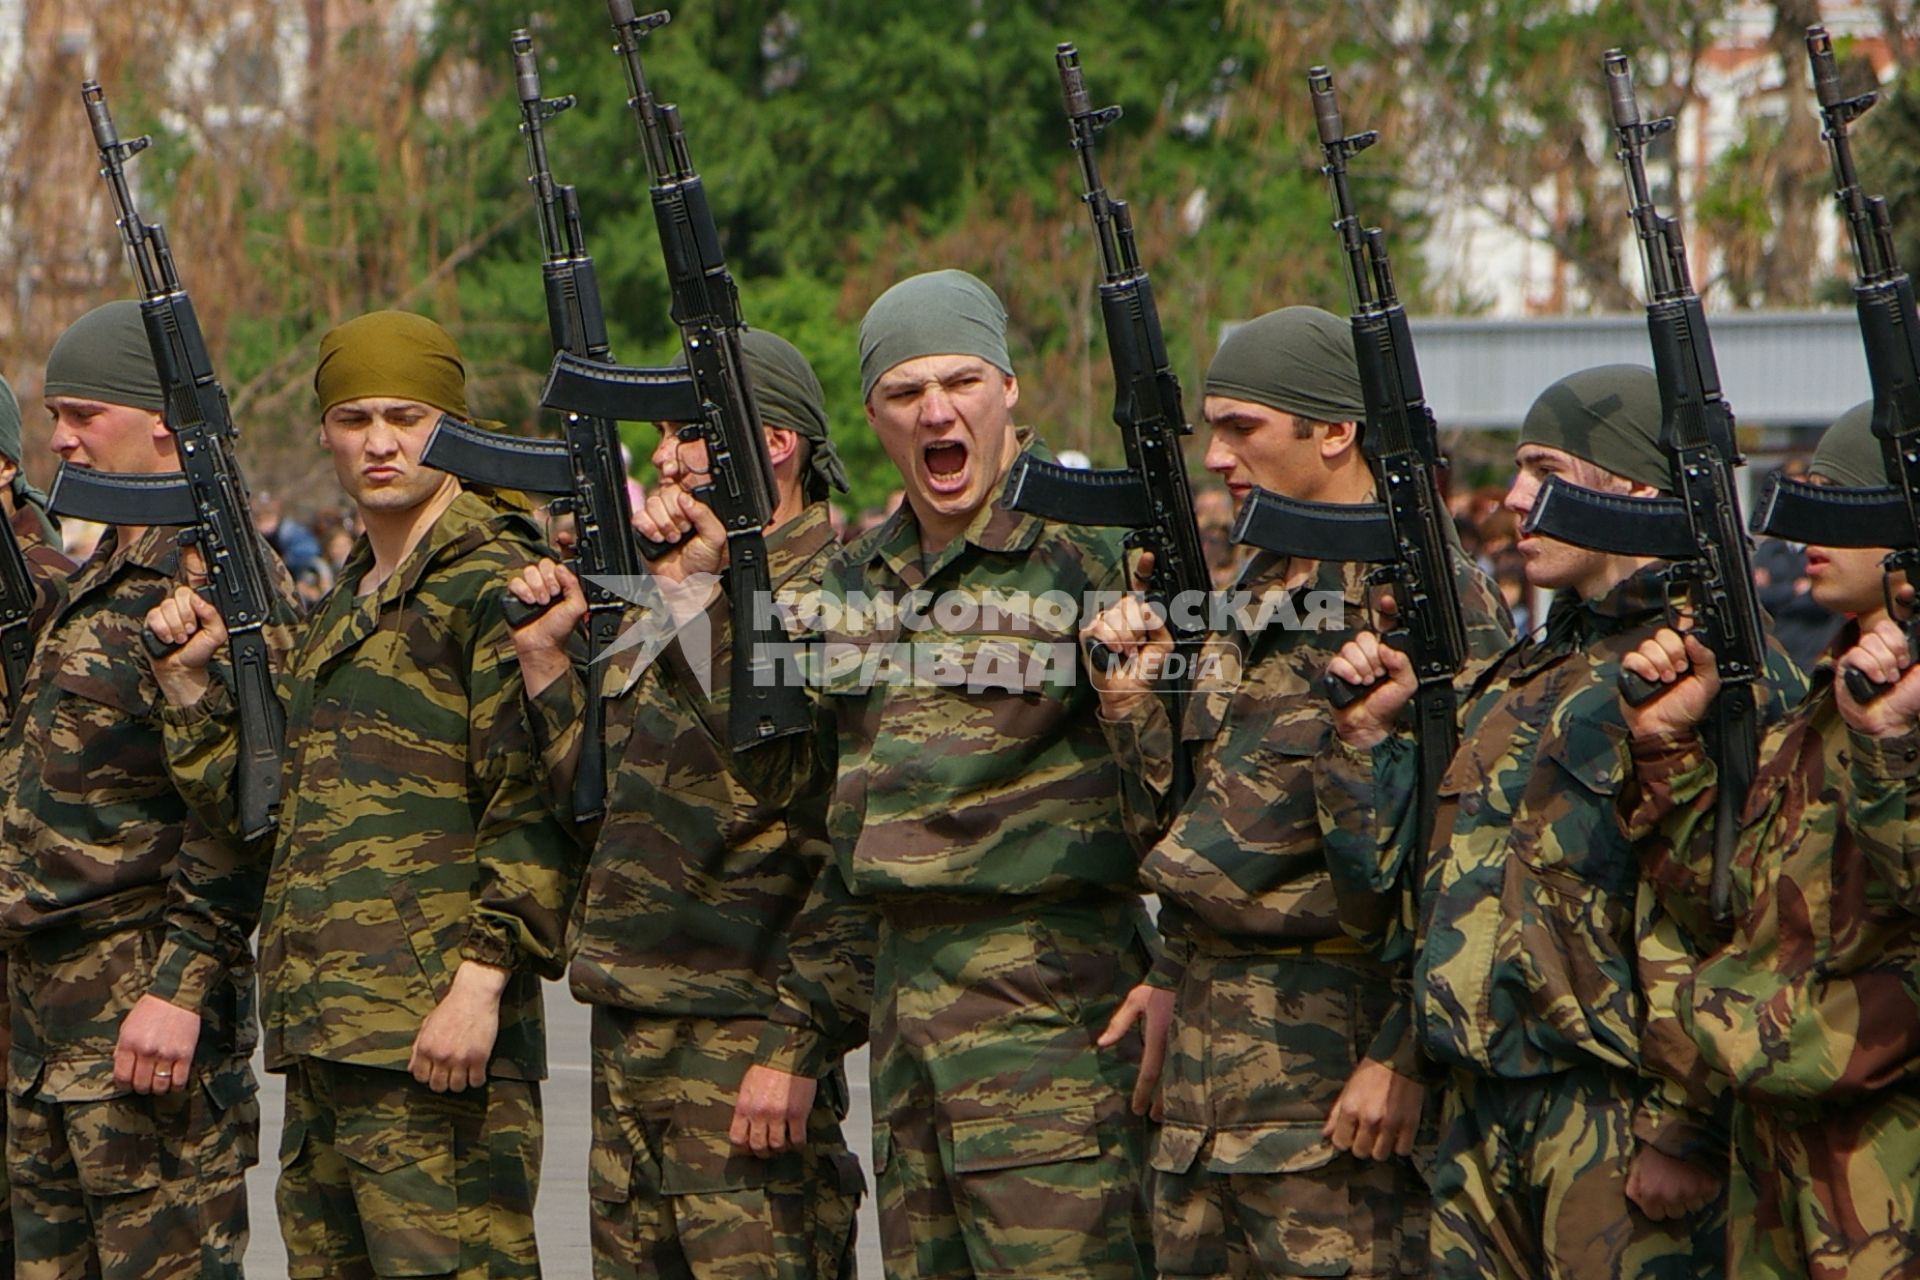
(1827, 1196)
(1530, 1183)
(381, 1176)
(671, 1197)
(134, 1187)
(1245, 1185)
(1003, 1141)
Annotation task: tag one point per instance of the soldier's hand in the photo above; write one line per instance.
(541, 645)
(1688, 674)
(456, 1040)
(1152, 1009)
(1882, 657)
(154, 1053)
(1665, 1188)
(190, 622)
(1387, 674)
(771, 1112)
(1377, 1113)
(672, 514)
(1136, 632)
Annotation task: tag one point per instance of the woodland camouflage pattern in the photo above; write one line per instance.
(958, 815)
(114, 890)
(677, 943)
(1275, 1004)
(1533, 919)
(1811, 1007)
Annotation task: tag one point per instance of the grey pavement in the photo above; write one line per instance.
(561, 1214)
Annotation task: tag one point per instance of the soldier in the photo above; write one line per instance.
(681, 928)
(982, 878)
(25, 508)
(1811, 1006)
(132, 1118)
(1291, 1095)
(1578, 1137)
(418, 886)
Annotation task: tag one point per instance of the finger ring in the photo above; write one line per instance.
(159, 1074)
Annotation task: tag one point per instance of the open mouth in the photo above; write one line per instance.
(946, 463)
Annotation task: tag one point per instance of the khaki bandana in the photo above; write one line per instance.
(392, 355)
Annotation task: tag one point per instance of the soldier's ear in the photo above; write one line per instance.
(782, 442)
(1340, 439)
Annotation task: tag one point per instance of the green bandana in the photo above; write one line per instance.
(1609, 415)
(941, 313)
(789, 395)
(1298, 360)
(393, 355)
(105, 356)
(1849, 453)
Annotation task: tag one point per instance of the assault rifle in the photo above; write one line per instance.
(1884, 516)
(1405, 534)
(17, 597)
(585, 468)
(1150, 497)
(1698, 530)
(706, 307)
(207, 498)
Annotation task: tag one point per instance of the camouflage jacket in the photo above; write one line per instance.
(692, 881)
(1815, 997)
(958, 738)
(113, 887)
(1240, 866)
(1540, 947)
(413, 834)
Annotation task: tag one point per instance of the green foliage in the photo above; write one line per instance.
(847, 143)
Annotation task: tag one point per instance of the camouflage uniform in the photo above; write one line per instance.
(1275, 1005)
(1812, 1006)
(115, 890)
(677, 943)
(413, 837)
(48, 567)
(983, 876)
(1546, 977)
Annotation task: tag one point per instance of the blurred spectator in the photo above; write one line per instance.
(292, 541)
